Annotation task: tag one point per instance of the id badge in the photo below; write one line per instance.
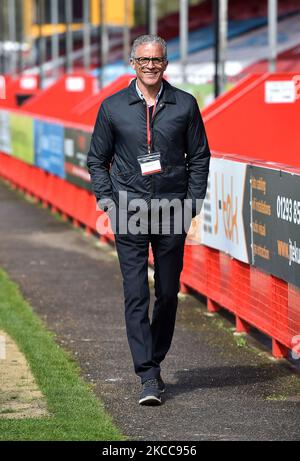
(150, 163)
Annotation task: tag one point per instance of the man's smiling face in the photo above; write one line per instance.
(150, 74)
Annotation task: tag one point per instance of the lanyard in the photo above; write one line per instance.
(149, 127)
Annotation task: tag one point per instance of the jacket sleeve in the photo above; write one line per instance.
(100, 155)
(198, 157)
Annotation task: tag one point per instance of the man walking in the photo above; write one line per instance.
(149, 145)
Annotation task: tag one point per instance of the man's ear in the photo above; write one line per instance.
(132, 64)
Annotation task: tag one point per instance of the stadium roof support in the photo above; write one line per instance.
(272, 32)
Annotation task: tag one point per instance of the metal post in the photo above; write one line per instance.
(42, 41)
(69, 35)
(147, 17)
(2, 38)
(153, 17)
(54, 38)
(217, 50)
(100, 43)
(104, 42)
(272, 30)
(183, 35)
(126, 35)
(223, 41)
(12, 34)
(86, 35)
(20, 35)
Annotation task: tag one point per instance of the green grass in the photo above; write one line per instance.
(202, 91)
(276, 398)
(240, 341)
(75, 413)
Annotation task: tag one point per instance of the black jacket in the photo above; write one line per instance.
(119, 137)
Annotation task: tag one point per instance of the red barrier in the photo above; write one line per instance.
(20, 88)
(86, 111)
(59, 99)
(241, 122)
(256, 298)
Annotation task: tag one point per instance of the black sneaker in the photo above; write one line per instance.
(150, 394)
(161, 385)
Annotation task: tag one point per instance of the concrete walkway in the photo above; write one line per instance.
(216, 390)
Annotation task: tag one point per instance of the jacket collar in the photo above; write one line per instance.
(141, 94)
(168, 93)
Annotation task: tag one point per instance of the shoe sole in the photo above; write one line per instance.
(150, 400)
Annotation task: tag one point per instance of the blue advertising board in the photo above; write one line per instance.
(49, 147)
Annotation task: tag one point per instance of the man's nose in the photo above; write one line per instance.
(151, 65)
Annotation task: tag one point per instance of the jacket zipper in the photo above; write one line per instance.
(160, 105)
(151, 182)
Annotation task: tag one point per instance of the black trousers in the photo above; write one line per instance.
(149, 341)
